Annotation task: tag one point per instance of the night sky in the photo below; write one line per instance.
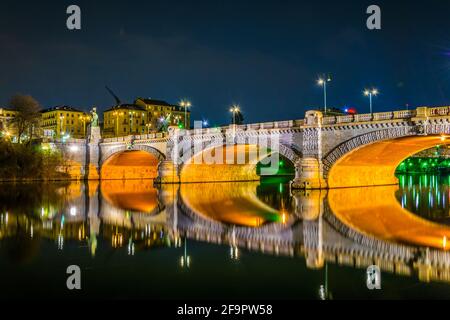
(263, 55)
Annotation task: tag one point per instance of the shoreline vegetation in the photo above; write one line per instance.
(21, 163)
(22, 158)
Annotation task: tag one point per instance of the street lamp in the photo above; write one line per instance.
(234, 109)
(83, 119)
(185, 104)
(369, 93)
(323, 82)
(148, 125)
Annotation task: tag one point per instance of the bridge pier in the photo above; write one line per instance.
(309, 174)
(93, 154)
(167, 173)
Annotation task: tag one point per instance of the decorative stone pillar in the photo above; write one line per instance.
(168, 170)
(309, 174)
(309, 169)
(93, 154)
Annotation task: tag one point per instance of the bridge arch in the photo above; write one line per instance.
(371, 159)
(241, 168)
(130, 162)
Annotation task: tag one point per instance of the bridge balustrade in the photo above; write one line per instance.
(439, 111)
(404, 114)
(344, 119)
(363, 117)
(329, 120)
(380, 116)
(383, 116)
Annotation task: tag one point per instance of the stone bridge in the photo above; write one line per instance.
(327, 152)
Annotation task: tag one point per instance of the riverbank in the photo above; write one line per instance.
(22, 162)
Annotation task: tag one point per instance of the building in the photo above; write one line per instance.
(124, 120)
(142, 117)
(158, 110)
(64, 121)
(6, 126)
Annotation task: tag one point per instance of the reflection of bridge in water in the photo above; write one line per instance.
(319, 226)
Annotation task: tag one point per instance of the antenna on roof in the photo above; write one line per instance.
(112, 93)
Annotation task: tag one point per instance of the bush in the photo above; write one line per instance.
(25, 162)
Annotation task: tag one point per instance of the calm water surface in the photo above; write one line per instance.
(224, 240)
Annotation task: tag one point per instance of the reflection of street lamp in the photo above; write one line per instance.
(370, 93)
(234, 109)
(131, 247)
(185, 259)
(323, 289)
(185, 104)
(234, 252)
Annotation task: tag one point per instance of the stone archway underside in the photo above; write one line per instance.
(375, 164)
(130, 164)
(227, 163)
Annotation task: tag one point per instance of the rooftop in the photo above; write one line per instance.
(7, 109)
(155, 102)
(61, 108)
(127, 106)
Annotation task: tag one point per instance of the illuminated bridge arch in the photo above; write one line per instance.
(371, 159)
(138, 147)
(135, 162)
(195, 170)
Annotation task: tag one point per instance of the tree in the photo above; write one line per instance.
(27, 119)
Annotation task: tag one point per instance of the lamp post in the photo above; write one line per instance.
(185, 104)
(83, 119)
(148, 125)
(370, 93)
(323, 82)
(234, 109)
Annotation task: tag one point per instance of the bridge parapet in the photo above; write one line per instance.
(286, 124)
(368, 117)
(158, 135)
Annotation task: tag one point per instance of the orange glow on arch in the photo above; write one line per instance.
(375, 164)
(133, 195)
(132, 164)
